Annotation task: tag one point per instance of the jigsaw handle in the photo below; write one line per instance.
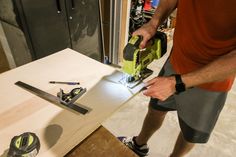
(163, 42)
(136, 40)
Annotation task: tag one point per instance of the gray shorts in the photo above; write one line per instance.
(197, 109)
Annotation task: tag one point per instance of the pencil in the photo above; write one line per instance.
(60, 82)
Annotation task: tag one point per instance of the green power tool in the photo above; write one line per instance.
(136, 60)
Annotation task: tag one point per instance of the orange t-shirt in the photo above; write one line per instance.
(205, 30)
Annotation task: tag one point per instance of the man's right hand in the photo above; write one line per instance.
(147, 31)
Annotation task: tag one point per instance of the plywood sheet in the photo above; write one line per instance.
(59, 130)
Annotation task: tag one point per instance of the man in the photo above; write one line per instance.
(198, 74)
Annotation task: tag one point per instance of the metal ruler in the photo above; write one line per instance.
(53, 99)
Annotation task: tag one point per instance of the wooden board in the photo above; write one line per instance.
(124, 32)
(101, 143)
(59, 130)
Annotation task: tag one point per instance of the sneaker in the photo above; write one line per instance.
(130, 142)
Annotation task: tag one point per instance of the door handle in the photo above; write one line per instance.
(58, 6)
(72, 4)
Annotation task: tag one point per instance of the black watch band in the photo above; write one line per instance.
(179, 86)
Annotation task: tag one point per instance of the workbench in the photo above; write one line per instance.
(59, 129)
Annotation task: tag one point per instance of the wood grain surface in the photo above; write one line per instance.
(101, 143)
(59, 130)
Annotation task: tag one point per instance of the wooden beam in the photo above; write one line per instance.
(101, 143)
(124, 27)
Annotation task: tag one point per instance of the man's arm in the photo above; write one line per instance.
(164, 9)
(215, 71)
(221, 68)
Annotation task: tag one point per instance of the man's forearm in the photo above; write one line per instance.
(148, 30)
(217, 70)
(164, 9)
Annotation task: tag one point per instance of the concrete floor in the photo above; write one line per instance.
(128, 122)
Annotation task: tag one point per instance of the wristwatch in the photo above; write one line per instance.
(179, 86)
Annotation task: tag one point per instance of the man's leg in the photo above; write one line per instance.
(151, 124)
(156, 114)
(182, 147)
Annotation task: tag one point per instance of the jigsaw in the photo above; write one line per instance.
(136, 60)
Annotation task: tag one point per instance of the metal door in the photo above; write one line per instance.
(46, 26)
(85, 27)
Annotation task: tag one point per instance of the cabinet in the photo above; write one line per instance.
(53, 25)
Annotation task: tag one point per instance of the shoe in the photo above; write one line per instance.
(131, 143)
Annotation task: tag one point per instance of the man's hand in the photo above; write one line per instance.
(147, 31)
(160, 87)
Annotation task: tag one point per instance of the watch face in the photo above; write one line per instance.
(180, 87)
